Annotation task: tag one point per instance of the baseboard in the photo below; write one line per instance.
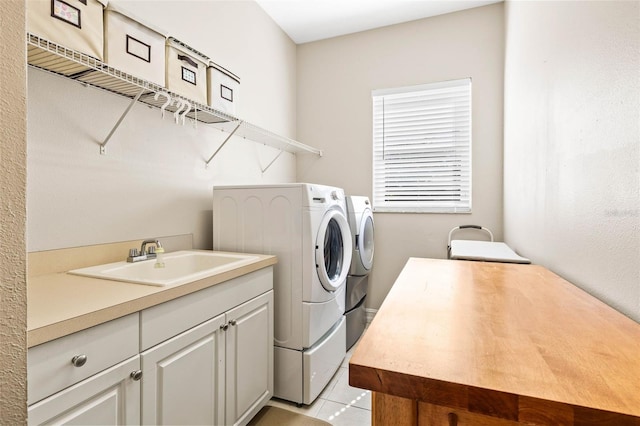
(370, 314)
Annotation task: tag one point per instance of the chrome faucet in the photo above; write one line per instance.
(144, 254)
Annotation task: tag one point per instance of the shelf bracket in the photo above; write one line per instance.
(273, 161)
(223, 143)
(115, 127)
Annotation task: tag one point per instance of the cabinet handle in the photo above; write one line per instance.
(136, 375)
(232, 322)
(188, 60)
(453, 419)
(79, 360)
(224, 327)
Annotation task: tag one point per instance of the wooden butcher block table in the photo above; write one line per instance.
(473, 343)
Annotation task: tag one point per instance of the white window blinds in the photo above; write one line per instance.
(422, 148)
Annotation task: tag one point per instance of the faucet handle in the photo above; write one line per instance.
(151, 250)
(133, 252)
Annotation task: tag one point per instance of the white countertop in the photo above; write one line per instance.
(59, 303)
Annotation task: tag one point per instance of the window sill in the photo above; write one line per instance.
(420, 210)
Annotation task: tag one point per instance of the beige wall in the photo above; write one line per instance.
(152, 180)
(13, 287)
(572, 151)
(335, 80)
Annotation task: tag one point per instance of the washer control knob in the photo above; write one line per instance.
(335, 195)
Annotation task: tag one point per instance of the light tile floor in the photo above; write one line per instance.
(339, 403)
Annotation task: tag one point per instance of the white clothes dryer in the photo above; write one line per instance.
(362, 232)
(306, 227)
(361, 224)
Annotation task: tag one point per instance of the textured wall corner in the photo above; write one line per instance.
(13, 285)
(571, 152)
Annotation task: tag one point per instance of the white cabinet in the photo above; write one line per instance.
(111, 397)
(204, 358)
(219, 372)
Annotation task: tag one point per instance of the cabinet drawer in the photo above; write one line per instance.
(109, 397)
(50, 367)
(169, 319)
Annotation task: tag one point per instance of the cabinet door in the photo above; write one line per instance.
(249, 358)
(109, 397)
(183, 377)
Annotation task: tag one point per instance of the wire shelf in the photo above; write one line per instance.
(54, 58)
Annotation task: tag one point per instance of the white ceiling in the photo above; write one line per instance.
(311, 20)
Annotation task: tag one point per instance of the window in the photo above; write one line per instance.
(422, 148)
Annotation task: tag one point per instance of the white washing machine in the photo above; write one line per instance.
(306, 227)
(360, 218)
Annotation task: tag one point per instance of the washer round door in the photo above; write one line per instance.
(365, 239)
(333, 250)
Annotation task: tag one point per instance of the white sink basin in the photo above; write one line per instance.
(180, 267)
